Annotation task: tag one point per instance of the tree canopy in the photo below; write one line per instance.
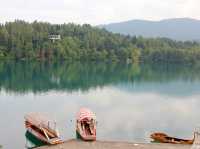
(23, 40)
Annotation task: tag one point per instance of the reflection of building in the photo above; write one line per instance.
(54, 37)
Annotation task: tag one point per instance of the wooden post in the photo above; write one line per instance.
(196, 143)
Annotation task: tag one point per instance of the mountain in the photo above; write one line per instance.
(177, 29)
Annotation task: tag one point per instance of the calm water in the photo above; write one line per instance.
(130, 101)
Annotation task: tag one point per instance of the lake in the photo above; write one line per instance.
(130, 101)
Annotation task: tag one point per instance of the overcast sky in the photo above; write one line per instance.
(97, 11)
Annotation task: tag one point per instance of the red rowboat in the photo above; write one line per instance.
(42, 128)
(86, 125)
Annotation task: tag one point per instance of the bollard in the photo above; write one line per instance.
(196, 143)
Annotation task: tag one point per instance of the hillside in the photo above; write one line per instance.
(177, 29)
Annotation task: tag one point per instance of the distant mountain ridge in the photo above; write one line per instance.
(177, 28)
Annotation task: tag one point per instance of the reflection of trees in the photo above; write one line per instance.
(44, 76)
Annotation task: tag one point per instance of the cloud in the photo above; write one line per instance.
(97, 11)
(120, 115)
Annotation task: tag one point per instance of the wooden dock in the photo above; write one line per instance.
(75, 144)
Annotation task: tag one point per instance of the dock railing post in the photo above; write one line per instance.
(196, 143)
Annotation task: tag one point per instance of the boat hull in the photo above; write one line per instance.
(163, 138)
(86, 125)
(32, 141)
(79, 135)
(37, 133)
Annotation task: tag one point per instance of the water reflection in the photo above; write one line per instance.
(39, 77)
(130, 101)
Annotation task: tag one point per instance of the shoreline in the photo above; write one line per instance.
(77, 144)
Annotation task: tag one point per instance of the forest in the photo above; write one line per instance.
(21, 40)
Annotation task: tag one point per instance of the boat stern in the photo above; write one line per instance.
(55, 141)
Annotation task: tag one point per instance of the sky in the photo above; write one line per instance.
(96, 11)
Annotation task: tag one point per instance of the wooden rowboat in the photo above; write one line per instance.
(86, 125)
(163, 138)
(32, 142)
(42, 128)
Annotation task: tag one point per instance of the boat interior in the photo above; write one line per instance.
(161, 137)
(44, 132)
(88, 126)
